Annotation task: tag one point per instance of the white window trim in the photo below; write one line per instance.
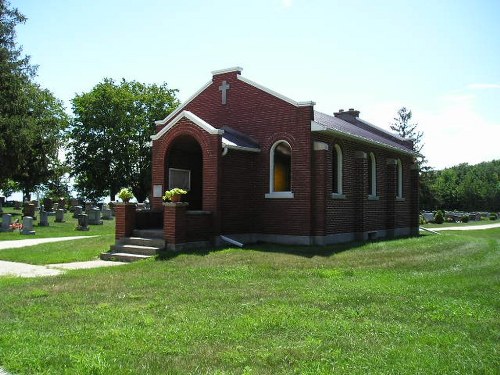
(277, 194)
(339, 171)
(399, 186)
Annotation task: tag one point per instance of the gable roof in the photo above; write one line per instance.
(368, 133)
(230, 138)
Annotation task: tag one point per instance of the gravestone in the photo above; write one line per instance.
(82, 222)
(48, 204)
(44, 219)
(73, 203)
(55, 207)
(17, 205)
(29, 210)
(77, 211)
(428, 217)
(106, 213)
(62, 204)
(28, 225)
(88, 206)
(95, 216)
(6, 220)
(59, 216)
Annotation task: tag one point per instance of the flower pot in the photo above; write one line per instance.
(176, 198)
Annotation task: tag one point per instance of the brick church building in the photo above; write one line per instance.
(262, 167)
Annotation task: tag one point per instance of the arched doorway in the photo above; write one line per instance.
(184, 169)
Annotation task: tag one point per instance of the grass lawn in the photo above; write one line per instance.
(426, 305)
(56, 229)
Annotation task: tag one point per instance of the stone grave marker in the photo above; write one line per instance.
(78, 210)
(106, 213)
(29, 210)
(59, 216)
(88, 206)
(48, 204)
(28, 225)
(44, 219)
(6, 220)
(95, 216)
(55, 207)
(83, 223)
(17, 205)
(73, 203)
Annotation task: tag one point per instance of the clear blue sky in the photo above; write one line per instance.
(439, 58)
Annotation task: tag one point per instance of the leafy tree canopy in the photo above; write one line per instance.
(110, 143)
(15, 74)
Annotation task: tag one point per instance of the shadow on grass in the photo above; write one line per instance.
(297, 250)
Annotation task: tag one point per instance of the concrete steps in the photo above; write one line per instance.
(142, 245)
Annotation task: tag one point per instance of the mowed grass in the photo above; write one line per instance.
(427, 305)
(60, 252)
(66, 229)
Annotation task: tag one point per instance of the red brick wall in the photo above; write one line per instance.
(125, 220)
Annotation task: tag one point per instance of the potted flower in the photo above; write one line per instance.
(125, 194)
(173, 195)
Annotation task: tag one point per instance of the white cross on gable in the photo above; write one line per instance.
(223, 88)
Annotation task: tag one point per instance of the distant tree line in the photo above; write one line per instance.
(463, 187)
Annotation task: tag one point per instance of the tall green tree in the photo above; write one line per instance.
(404, 126)
(110, 145)
(15, 74)
(43, 136)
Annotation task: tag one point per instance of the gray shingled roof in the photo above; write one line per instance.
(366, 133)
(238, 141)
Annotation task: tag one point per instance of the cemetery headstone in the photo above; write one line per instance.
(48, 204)
(55, 207)
(78, 210)
(88, 206)
(59, 216)
(82, 222)
(17, 205)
(28, 225)
(62, 203)
(29, 210)
(44, 219)
(95, 216)
(106, 214)
(6, 220)
(73, 204)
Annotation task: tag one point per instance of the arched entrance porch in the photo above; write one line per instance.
(184, 169)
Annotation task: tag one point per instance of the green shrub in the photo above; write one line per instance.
(493, 216)
(465, 219)
(439, 217)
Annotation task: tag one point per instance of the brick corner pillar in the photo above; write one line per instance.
(125, 220)
(360, 192)
(415, 196)
(175, 224)
(390, 192)
(320, 165)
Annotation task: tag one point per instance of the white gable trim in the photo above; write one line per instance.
(227, 70)
(274, 93)
(191, 117)
(181, 107)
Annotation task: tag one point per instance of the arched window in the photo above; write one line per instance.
(372, 175)
(337, 164)
(399, 186)
(280, 177)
